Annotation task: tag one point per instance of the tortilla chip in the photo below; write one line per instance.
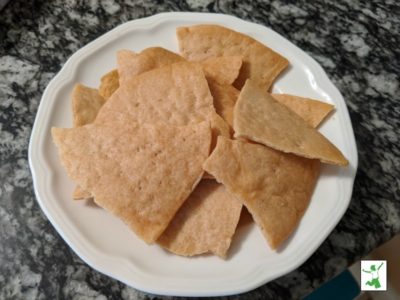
(260, 118)
(205, 223)
(109, 83)
(176, 94)
(81, 194)
(86, 102)
(142, 174)
(312, 111)
(225, 97)
(260, 63)
(131, 64)
(218, 127)
(274, 186)
(223, 70)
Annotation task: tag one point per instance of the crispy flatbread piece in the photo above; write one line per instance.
(142, 174)
(223, 69)
(274, 186)
(109, 83)
(176, 94)
(260, 118)
(86, 102)
(205, 223)
(81, 194)
(260, 63)
(312, 111)
(224, 97)
(131, 64)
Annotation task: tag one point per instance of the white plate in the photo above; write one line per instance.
(107, 245)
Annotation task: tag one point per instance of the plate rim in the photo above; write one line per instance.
(86, 253)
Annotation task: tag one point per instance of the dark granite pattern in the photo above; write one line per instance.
(357, 42)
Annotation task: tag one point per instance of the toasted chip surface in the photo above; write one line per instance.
(109, 83)
(222, 69)
(131, 64)
(311, 110)
(260, 118)
(141, 174)
(205, 223)
(274, 186)
(177, 94)
(86, 102)
(260, 63)
(224, 97)
(81, 194)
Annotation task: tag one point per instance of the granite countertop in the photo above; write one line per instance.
(356, 42)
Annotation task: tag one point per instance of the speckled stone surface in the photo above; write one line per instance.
(357, 43)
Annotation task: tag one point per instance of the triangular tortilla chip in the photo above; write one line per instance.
(109, 83)
(219, 69)
(224, 97)
(260, 63)
(312, 111)
(205, 223)
(176, 94)
(141, 174)
(86, 102)
(223, 70)
(260, 118)
(81, 194)
(131, 64)
(274, 186)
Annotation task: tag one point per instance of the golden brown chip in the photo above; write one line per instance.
(274, 186)
(86, 102)
(223, 70)
(131, 64)
(81, 194)
(176, 94)
(312, 111)
(142, 174)
(205, 223)
(260, 118)
(224, 97)
(260, 63)
(109, 83)
(218, 127)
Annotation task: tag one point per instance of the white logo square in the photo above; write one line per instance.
(373, 275)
